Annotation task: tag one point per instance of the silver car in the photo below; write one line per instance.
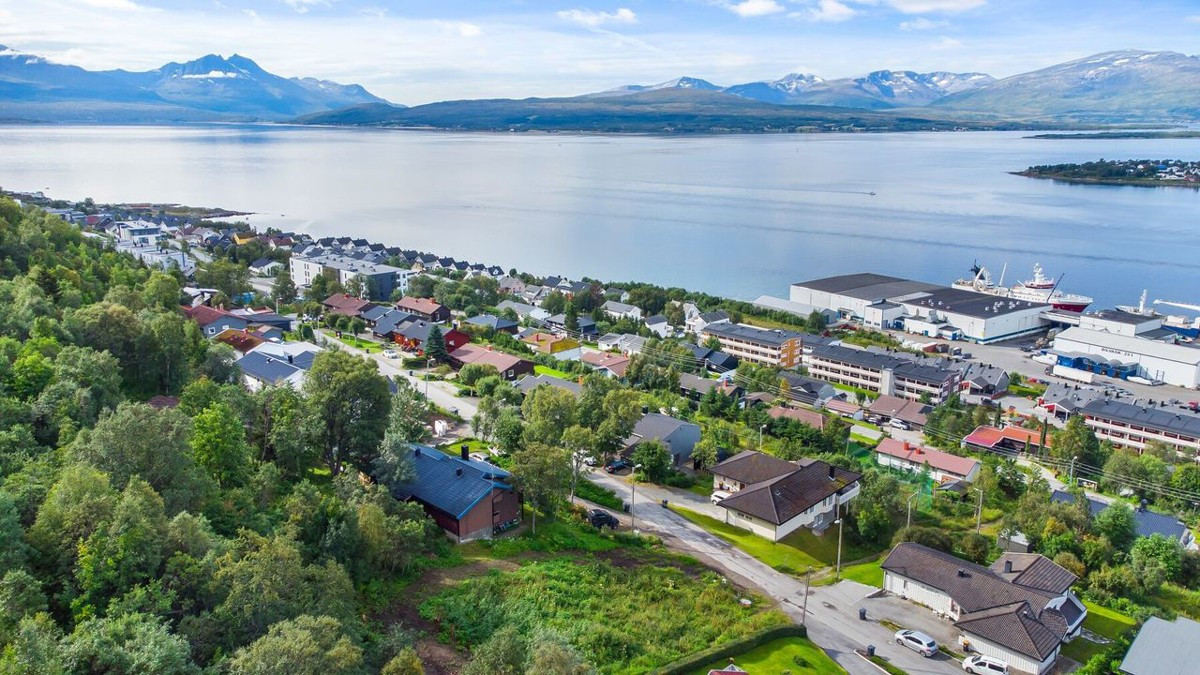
(917, 641)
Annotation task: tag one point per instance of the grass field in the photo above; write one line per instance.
(869, 573)
(552, 372)
(368, 346)
(793, 555)
(1101, 621)
(785, 655)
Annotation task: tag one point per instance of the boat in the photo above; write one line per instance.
(1040, 288)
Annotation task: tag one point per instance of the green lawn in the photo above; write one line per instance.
(368, 346)
(781, 656)
(552, 372)
(473, 445)
(1101, 621)
(1179, 600)
(869, 573)
(704, 488)
(794, 554)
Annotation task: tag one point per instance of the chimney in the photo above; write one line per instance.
(464, 451)
(962, 573)
(906, 446)
(458, 472)
(290, 358)
(832, 471)
(416, 452)
(1008, 567)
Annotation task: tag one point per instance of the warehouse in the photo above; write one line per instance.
(1175, 364)
(885, 302)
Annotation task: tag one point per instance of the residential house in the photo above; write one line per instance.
(1008, 440)
(697, 323)
(1019, 610)
(344, 304)
(1133, 426)
(534, 294)
(808, 390)
(1164, 648)
(385, 326)
(277, 364)
(494, 323)
(372, 313)
(773, 498)
(510, 367)
(757, 345)
(425, 308)
(468, 499)
(612, 365)
(714, 360)
(558, 324)
(679, 437)
(511, 286)
(524, 311)
(1146, 522)
(531, 382)
(943, 466)
(262, 316)
(694, 386)
(561, 348)
(912, 413)
(658, 325)
(1063, 399)
(413, 336)
(241, 341)
(812, 418)
(265, 267)
(625, 343)
(620, 310)
(984, 381)
(213, 320)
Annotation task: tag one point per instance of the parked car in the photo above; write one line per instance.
(917, 641)
(979, 665)
(898, 424)
(616, 465)
(391, 354)
(718, 496)
(599, 518)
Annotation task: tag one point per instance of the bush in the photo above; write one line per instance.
(596, 494)
(680, 480)
(416, 362)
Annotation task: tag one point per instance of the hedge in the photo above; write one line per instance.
(700, 659)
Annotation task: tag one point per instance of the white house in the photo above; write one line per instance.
(943, 466)
(1020, 609)
(621, 310)
(659, 326)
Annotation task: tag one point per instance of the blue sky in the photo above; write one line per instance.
(416, 51)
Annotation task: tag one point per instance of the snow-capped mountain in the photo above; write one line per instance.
(783, 90)
(693, 83)
(1128, 85)
(211, 87)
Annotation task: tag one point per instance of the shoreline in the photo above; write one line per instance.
(1145, 183)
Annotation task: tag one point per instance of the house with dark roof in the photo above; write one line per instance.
(677, 436)
(558, 324)
(213, 320)
(808, 390)
(372, 313)
(413, 336)
(494, 323)
(531, 382)
(812, 418)
(701, 320)
(1146, 522)
(468, 499)
(344, 304)
(658, 325)
(984, 381)
(773, 498)
(425, 308)
(912, 413)
(265, 267)
(1020, 609)
(510, 367)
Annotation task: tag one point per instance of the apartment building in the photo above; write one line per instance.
(757, 345)
(1132, 426)
(882, 373)
(381, 279)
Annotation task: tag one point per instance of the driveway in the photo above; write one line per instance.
(835, 627)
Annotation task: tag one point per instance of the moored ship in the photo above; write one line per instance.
(1038, 289)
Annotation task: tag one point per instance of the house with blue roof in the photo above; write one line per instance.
(1146, 522)
(467, 498)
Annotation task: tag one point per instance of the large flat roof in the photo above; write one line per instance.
(970, 303)
(1163, 419)
(1133, 345)
(868, 286)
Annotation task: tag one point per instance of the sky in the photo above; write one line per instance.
(418, 51)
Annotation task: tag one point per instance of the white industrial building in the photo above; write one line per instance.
(885, 302)
(1164, 361)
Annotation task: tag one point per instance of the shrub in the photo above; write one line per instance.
(700, 659)
(680, 480)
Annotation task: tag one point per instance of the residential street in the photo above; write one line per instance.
(832, 610)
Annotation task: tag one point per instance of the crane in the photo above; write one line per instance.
(1181, 305)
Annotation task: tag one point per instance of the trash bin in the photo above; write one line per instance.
(664, 503)
(862, 613)
(625, 507)
(870, 650)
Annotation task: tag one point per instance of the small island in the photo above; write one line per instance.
(1100, 135)
(1140, 172)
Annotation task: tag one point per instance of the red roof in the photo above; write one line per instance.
(482, 355)
(420, 305)
(204, 315)
(810, 417)
(936, 459)
(342, 303)
(990, 437)
(240, 340)
(614, 362)
(843, 407)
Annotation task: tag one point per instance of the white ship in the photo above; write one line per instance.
(1038, 289)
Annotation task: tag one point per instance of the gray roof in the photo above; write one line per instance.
(1164, 648)
(619, 307)
(655, 320)
(1146, 522)
(867, 286)
(696, 383)
(373, 312)
(774, 338)
(520, 308)
(970, 303)
(492, 321)
(266, 368)
(390, 321)
(750, 466)
(450, 484)
(531, 382)
(903, 367)
(778, 500)
(1161, 419)
(657, 425)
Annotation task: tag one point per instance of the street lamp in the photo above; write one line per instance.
(760, 432)
(633, 498)
(979, 511)
(804, 606)
(837, 573)
(908, 523)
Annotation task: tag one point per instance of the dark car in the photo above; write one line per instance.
(616, 465)
(599, 518)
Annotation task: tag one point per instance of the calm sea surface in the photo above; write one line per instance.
(734, 215)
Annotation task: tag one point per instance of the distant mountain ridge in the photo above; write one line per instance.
(211, 87)
(880, 89)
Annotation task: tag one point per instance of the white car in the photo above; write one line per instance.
(391, 354)
(898, 424)
(979, 665)
(718, 496)
(917, 641)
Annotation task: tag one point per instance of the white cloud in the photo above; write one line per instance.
(923, 6)
(303, 6)
(110, 4)
(921, 23)
(594, 19)
(750, 8)
(468, 30)
(830, 11)
(945, 43)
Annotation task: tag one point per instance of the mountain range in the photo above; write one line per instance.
(1130, 86)
(211, 88)
(878, 90)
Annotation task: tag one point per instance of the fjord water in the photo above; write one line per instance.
(733, 215)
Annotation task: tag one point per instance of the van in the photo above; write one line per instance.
(984, 665)
(718, 496)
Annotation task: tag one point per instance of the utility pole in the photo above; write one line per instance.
(804, 605)
(837, 574)
(633, 498)
(1071, 472)
(979, 511)
(908, 523)
(760, 434)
